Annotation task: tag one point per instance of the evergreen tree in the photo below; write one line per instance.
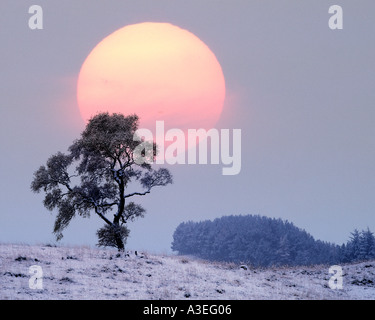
(283, 253)
(353, 246)
(366, 245)
(256, 240)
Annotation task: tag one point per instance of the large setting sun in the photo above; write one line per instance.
(157, 71)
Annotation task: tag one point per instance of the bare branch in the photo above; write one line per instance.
(137, 194)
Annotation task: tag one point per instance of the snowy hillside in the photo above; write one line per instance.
(87, 273)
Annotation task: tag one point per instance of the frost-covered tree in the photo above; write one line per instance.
(283, 251)
(95, 176)
(366, 245)
(353, 246)
(255, 240)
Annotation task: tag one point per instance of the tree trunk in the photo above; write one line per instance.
(119, 242)
(117, 234)
(116, 220)
(120, 245)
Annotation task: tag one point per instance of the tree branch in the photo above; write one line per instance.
(102, 216)
(137, 194)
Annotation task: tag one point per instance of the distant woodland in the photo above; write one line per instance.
(261, 242)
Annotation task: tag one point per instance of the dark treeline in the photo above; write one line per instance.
(263, 241)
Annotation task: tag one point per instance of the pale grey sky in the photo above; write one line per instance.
(302, 94)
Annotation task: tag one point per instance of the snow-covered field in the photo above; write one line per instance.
(90, 273)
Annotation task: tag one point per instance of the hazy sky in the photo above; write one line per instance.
(303, 95)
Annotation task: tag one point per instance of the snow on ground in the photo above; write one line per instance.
(91, 273)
